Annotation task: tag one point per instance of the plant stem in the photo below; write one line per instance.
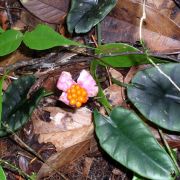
(169, 150)
(15, 168)
(99, 37)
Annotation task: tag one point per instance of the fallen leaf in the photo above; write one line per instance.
(87, 166)
(160, 33)
(63, 158)
(133, 70)
(48, 11)
(115, 93)
(62, 140)
(62, 120)
(65, 129)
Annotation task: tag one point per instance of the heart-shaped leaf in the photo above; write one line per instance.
(10, 40)
(44, 37)
(16, 108)
(84, 14)
(155, 96)
(2, 174)
(130, 55)
(124, 136)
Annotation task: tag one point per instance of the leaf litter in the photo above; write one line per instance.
(65, 137)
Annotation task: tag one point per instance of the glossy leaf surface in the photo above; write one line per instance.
(126, 139)
(44, 37)
(84, 14)
(16, 108)
(155, 96)
(109, 55)
(10, 40)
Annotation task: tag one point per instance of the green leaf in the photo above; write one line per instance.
(156, 98)
(136, 177)
(2, 174)
(33, 176)
(84, 14)
(16, 107)
(109, 55)
(1, 30)
(124, 136)
(44, 37)
(10, 40)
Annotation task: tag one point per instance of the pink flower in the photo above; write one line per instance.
(75, 94)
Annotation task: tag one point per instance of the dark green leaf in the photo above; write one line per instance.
(16, 107)
(2, 174)
(84, 14)
(109, 54)
(10, 40)
(156, 98)
(44, 37)
(124, 136)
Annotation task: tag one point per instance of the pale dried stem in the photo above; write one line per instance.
(149, 59)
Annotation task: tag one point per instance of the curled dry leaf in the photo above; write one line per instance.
(65, 129)
(63, 140)
(62, 120)
(23, 164)
(49, 11)
(160, 33)
(115, 93)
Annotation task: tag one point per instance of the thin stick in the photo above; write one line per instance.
(22, 144)
(99, 37)
(21, 172)
(169, 149)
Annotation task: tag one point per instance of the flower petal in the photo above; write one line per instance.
(86, 81)
(65, 81)
(63, 98)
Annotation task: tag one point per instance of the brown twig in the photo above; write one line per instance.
(8, 14)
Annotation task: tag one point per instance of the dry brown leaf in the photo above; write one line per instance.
(64, 157)
(62, 120)
(12, 58)
(115, 93)
(166, 7)
(116, 74)
(62, 140)
(87, 166)
(133, 70)
(160, 33)
(51, 11)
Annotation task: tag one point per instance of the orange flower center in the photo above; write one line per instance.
(77, 95)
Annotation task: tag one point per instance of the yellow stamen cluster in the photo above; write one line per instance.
(77, 95)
